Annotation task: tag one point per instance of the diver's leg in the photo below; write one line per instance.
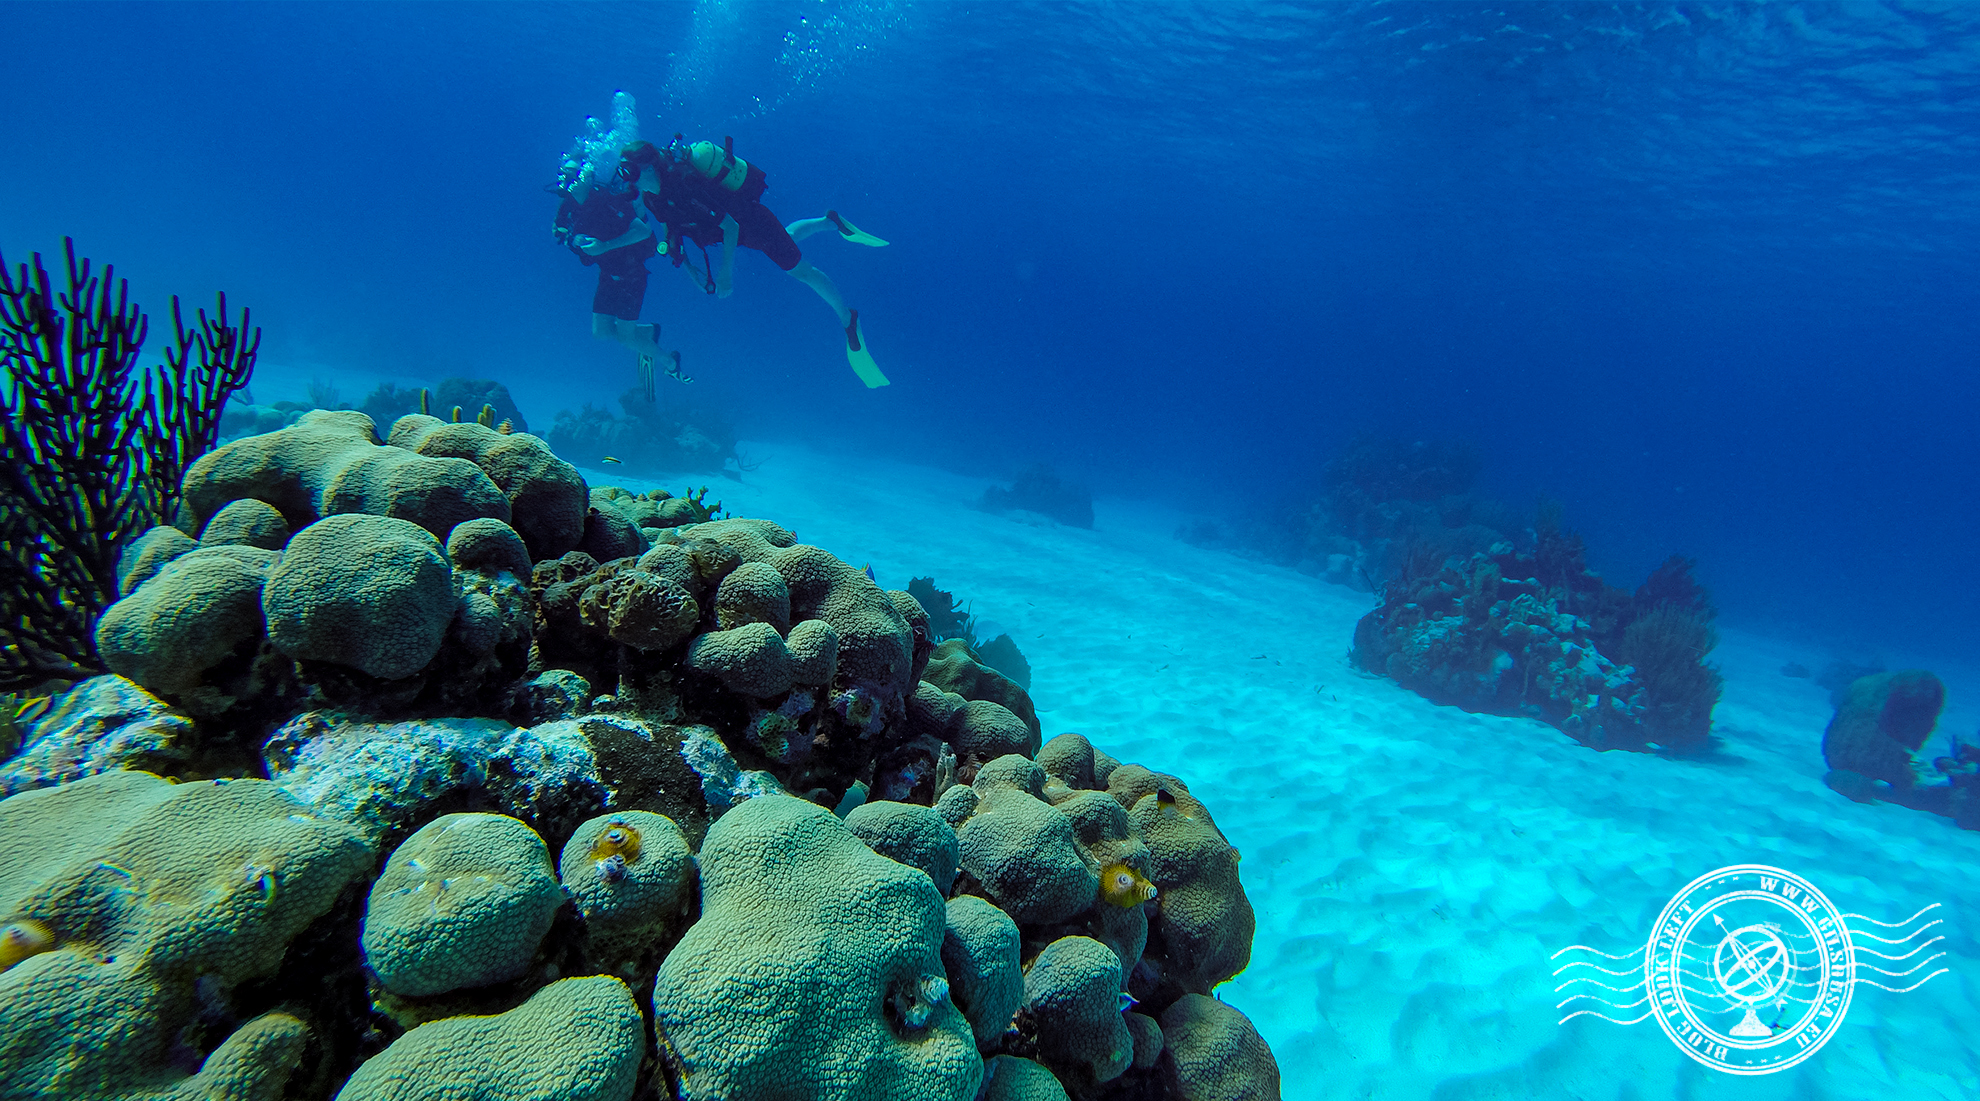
(805, 227)
(644, 338)
(818, 281)
(604, 326)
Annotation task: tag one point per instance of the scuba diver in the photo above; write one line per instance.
(603, 226)
(706, 194)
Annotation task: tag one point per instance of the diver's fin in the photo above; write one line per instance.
(646, 375)
(674, 367)
(860, 356)
(852, 232)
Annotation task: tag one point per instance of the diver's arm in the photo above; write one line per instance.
(638, 232)
(731, 232)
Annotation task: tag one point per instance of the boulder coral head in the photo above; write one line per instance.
(463, 902)
(815, 970)
(578, 1039)
(369, 592)
(633, 880)
(1881, 722)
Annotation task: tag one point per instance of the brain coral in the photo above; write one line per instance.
(146, 554)
(875, 643)
(331, 462)
(910, 833)
(1880, 721)
(815, 970)
(952, 668)
(487, 545)
(189, 615)
(546, 495)
(369, 592)
(814, 648)
(1147, 1039)
(981, 952)
(463, 902)
(1205, 920)
(1215, 1054)
(1023, 852)
(753, 593)
(637, 608)
(1015, 1079)
(246, 523)
(632, 876)
(1069, 758)
(749, 660)
(158, 898)
(575, 1040)
(609, 534)
(1073, 992)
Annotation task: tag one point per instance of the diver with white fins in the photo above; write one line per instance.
(704, 193)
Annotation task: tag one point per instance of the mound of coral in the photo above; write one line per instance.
(1039, 489)
(649, 437)
(489, 782)
(1873, 747)
(1539, 634)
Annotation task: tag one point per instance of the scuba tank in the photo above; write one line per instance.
(720, 165)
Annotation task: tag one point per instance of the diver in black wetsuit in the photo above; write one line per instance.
(603, 225)
(706, 194)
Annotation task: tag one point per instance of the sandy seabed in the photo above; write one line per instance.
(1415, 868)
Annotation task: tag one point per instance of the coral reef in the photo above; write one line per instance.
(92, 451)
(475, 398)
(1039, 489)
(419, 645)
(1539, 634)
(649, 438)
(950, 623)
(946, 618)
(1215, 1054)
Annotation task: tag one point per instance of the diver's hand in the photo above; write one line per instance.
(587, 244)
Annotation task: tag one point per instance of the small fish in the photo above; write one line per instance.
(868, 570)
(609, 459)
